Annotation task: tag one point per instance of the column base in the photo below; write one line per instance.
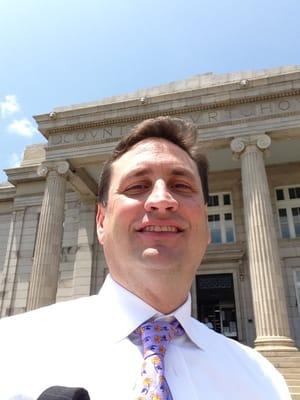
(274, 343)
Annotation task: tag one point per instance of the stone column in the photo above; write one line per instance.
(269, 301)
(44, 276)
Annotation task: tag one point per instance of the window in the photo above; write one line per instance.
(213, 201)
(297, 286)
(220, 218)
(288, 209)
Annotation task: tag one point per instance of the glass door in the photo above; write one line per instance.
(216, 303)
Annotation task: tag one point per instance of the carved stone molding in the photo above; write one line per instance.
(280, 97)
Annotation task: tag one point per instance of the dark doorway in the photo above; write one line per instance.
(216, 303)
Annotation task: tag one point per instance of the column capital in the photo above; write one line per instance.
(60, 167)
(239, 144)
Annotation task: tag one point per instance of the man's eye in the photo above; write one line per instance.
(137, 188)
(181, 186)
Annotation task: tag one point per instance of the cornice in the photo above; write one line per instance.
(224, 253)
(7, 193)
(177, 111)
(22, 174)
(198, 85)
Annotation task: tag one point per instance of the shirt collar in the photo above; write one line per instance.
(124, 312)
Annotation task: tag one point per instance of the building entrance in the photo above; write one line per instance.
(216, 303)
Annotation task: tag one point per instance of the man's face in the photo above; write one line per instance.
(155, 221)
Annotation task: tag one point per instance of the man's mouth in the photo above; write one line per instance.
(156, 228)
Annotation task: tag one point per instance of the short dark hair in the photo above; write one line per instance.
(175, 130)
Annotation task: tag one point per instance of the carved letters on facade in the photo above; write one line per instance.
(202, 119)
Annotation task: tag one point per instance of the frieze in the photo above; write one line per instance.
(105, 134)
(242, 111)
(203, 119)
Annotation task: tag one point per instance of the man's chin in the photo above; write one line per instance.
(159, 260)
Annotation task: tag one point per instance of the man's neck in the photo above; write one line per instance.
(165, 297)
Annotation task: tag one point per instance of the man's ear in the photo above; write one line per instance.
(100, 222)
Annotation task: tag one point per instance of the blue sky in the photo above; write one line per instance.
(62, 52)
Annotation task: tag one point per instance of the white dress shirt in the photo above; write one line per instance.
(84, 343)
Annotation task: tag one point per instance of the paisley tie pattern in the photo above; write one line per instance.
(155, 337)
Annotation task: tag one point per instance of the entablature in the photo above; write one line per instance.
(216, 125)
(203, 93)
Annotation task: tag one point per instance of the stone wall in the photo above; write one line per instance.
(5, 221)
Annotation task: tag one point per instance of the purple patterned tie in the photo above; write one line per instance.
(155, 337)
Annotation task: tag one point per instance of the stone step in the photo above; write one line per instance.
(294, 389)
(289, 370)
(289, 377)
(293, 382)
(290, 359)
(295, 396)
(288, 374)
(293, 356)
(288, 364)
(288, 354)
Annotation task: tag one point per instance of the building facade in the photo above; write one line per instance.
(248, 285)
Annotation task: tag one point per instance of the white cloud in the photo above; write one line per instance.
(9, 105)
(15, 160)
(22, 127)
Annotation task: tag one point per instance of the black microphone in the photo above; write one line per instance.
(64, 393)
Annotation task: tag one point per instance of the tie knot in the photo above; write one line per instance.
(156, 335)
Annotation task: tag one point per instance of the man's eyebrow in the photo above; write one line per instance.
(137, 172)
(183, 172)
(144, 171)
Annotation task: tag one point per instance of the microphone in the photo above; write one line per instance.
(64, 393)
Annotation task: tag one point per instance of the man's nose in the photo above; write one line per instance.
(160, 198)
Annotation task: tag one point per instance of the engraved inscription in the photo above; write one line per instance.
(200, 118)
(212, 116)
(107, 132)
(248, 110)
(80, 136)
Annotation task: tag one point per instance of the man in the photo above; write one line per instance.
(208, 323)
(152, 224)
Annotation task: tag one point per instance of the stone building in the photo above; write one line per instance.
(248, 285)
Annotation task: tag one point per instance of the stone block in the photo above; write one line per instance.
(83, 281)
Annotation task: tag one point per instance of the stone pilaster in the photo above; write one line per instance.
(7, 283)
(44, 276)
(85, 245)
(270, 310)
(194, 298)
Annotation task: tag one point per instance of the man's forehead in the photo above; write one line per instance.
(151, 153)
(155, 148)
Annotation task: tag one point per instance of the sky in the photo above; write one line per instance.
(61, 52)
